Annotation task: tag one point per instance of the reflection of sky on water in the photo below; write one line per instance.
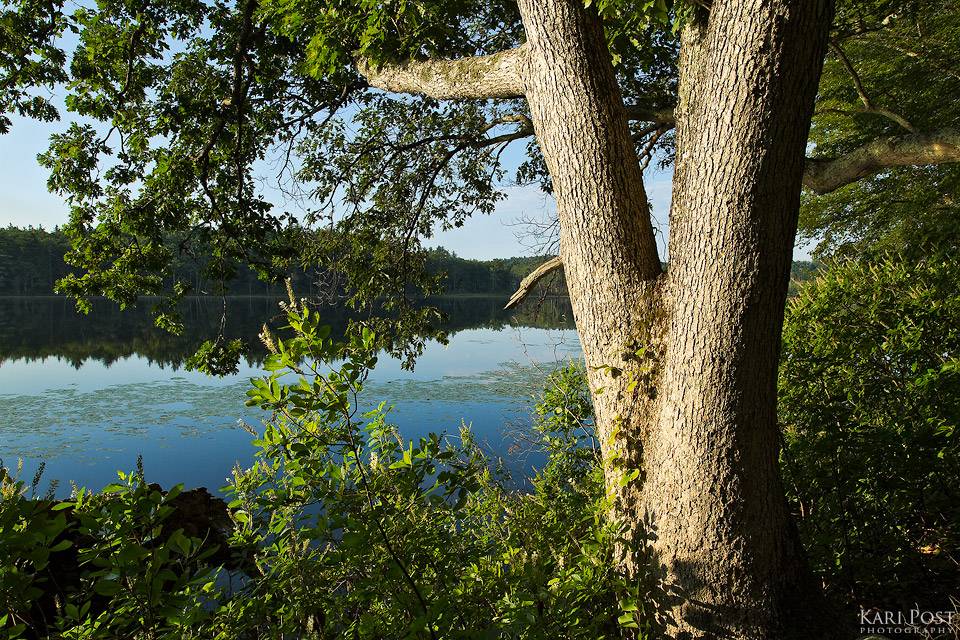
(87, 422)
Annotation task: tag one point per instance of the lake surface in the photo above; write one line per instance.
(87, 394)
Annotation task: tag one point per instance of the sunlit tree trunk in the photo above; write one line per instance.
(607, 244)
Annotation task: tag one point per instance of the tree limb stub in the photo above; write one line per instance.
(481, 77)
(527, 283)
(828, 174)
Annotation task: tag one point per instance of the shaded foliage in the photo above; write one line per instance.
(33, 260)
(870, 404)
(892, 69)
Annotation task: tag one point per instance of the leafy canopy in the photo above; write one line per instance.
(905, 57)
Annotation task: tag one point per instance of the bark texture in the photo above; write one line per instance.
(607, 244)
(712, 494)
(683, 367)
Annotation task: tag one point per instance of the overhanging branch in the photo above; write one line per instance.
(823, 175)
(481, 77)
(499, 76)
(826, 175)
(527, 283)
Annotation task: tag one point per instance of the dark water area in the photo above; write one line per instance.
(86, 394)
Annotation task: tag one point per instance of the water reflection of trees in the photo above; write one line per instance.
(35, 328)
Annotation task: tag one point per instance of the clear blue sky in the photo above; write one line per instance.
(26, 201)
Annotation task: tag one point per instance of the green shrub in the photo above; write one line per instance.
(149, 583)
(355, 533)
(97, 566)
(30, 532)
(870, 403)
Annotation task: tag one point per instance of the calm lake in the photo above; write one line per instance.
(87, 394)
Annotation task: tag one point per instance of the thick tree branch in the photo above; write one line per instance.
(826, 175)
(498, 76)
(494, 76)
(527, 283)
(823, 175)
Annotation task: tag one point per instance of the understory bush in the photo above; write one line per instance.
(870, 404)
(101, 565)
(340, 528)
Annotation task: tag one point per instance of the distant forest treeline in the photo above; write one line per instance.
(31, 261)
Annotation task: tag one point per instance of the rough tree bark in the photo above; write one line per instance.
(748, 76)
(607, 244)
(823, 175)
(683, 366)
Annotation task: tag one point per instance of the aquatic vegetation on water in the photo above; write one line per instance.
(64, 422)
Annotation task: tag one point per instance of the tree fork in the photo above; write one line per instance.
(682, 366)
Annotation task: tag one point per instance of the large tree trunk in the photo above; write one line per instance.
(749, 75)
(696, 411)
